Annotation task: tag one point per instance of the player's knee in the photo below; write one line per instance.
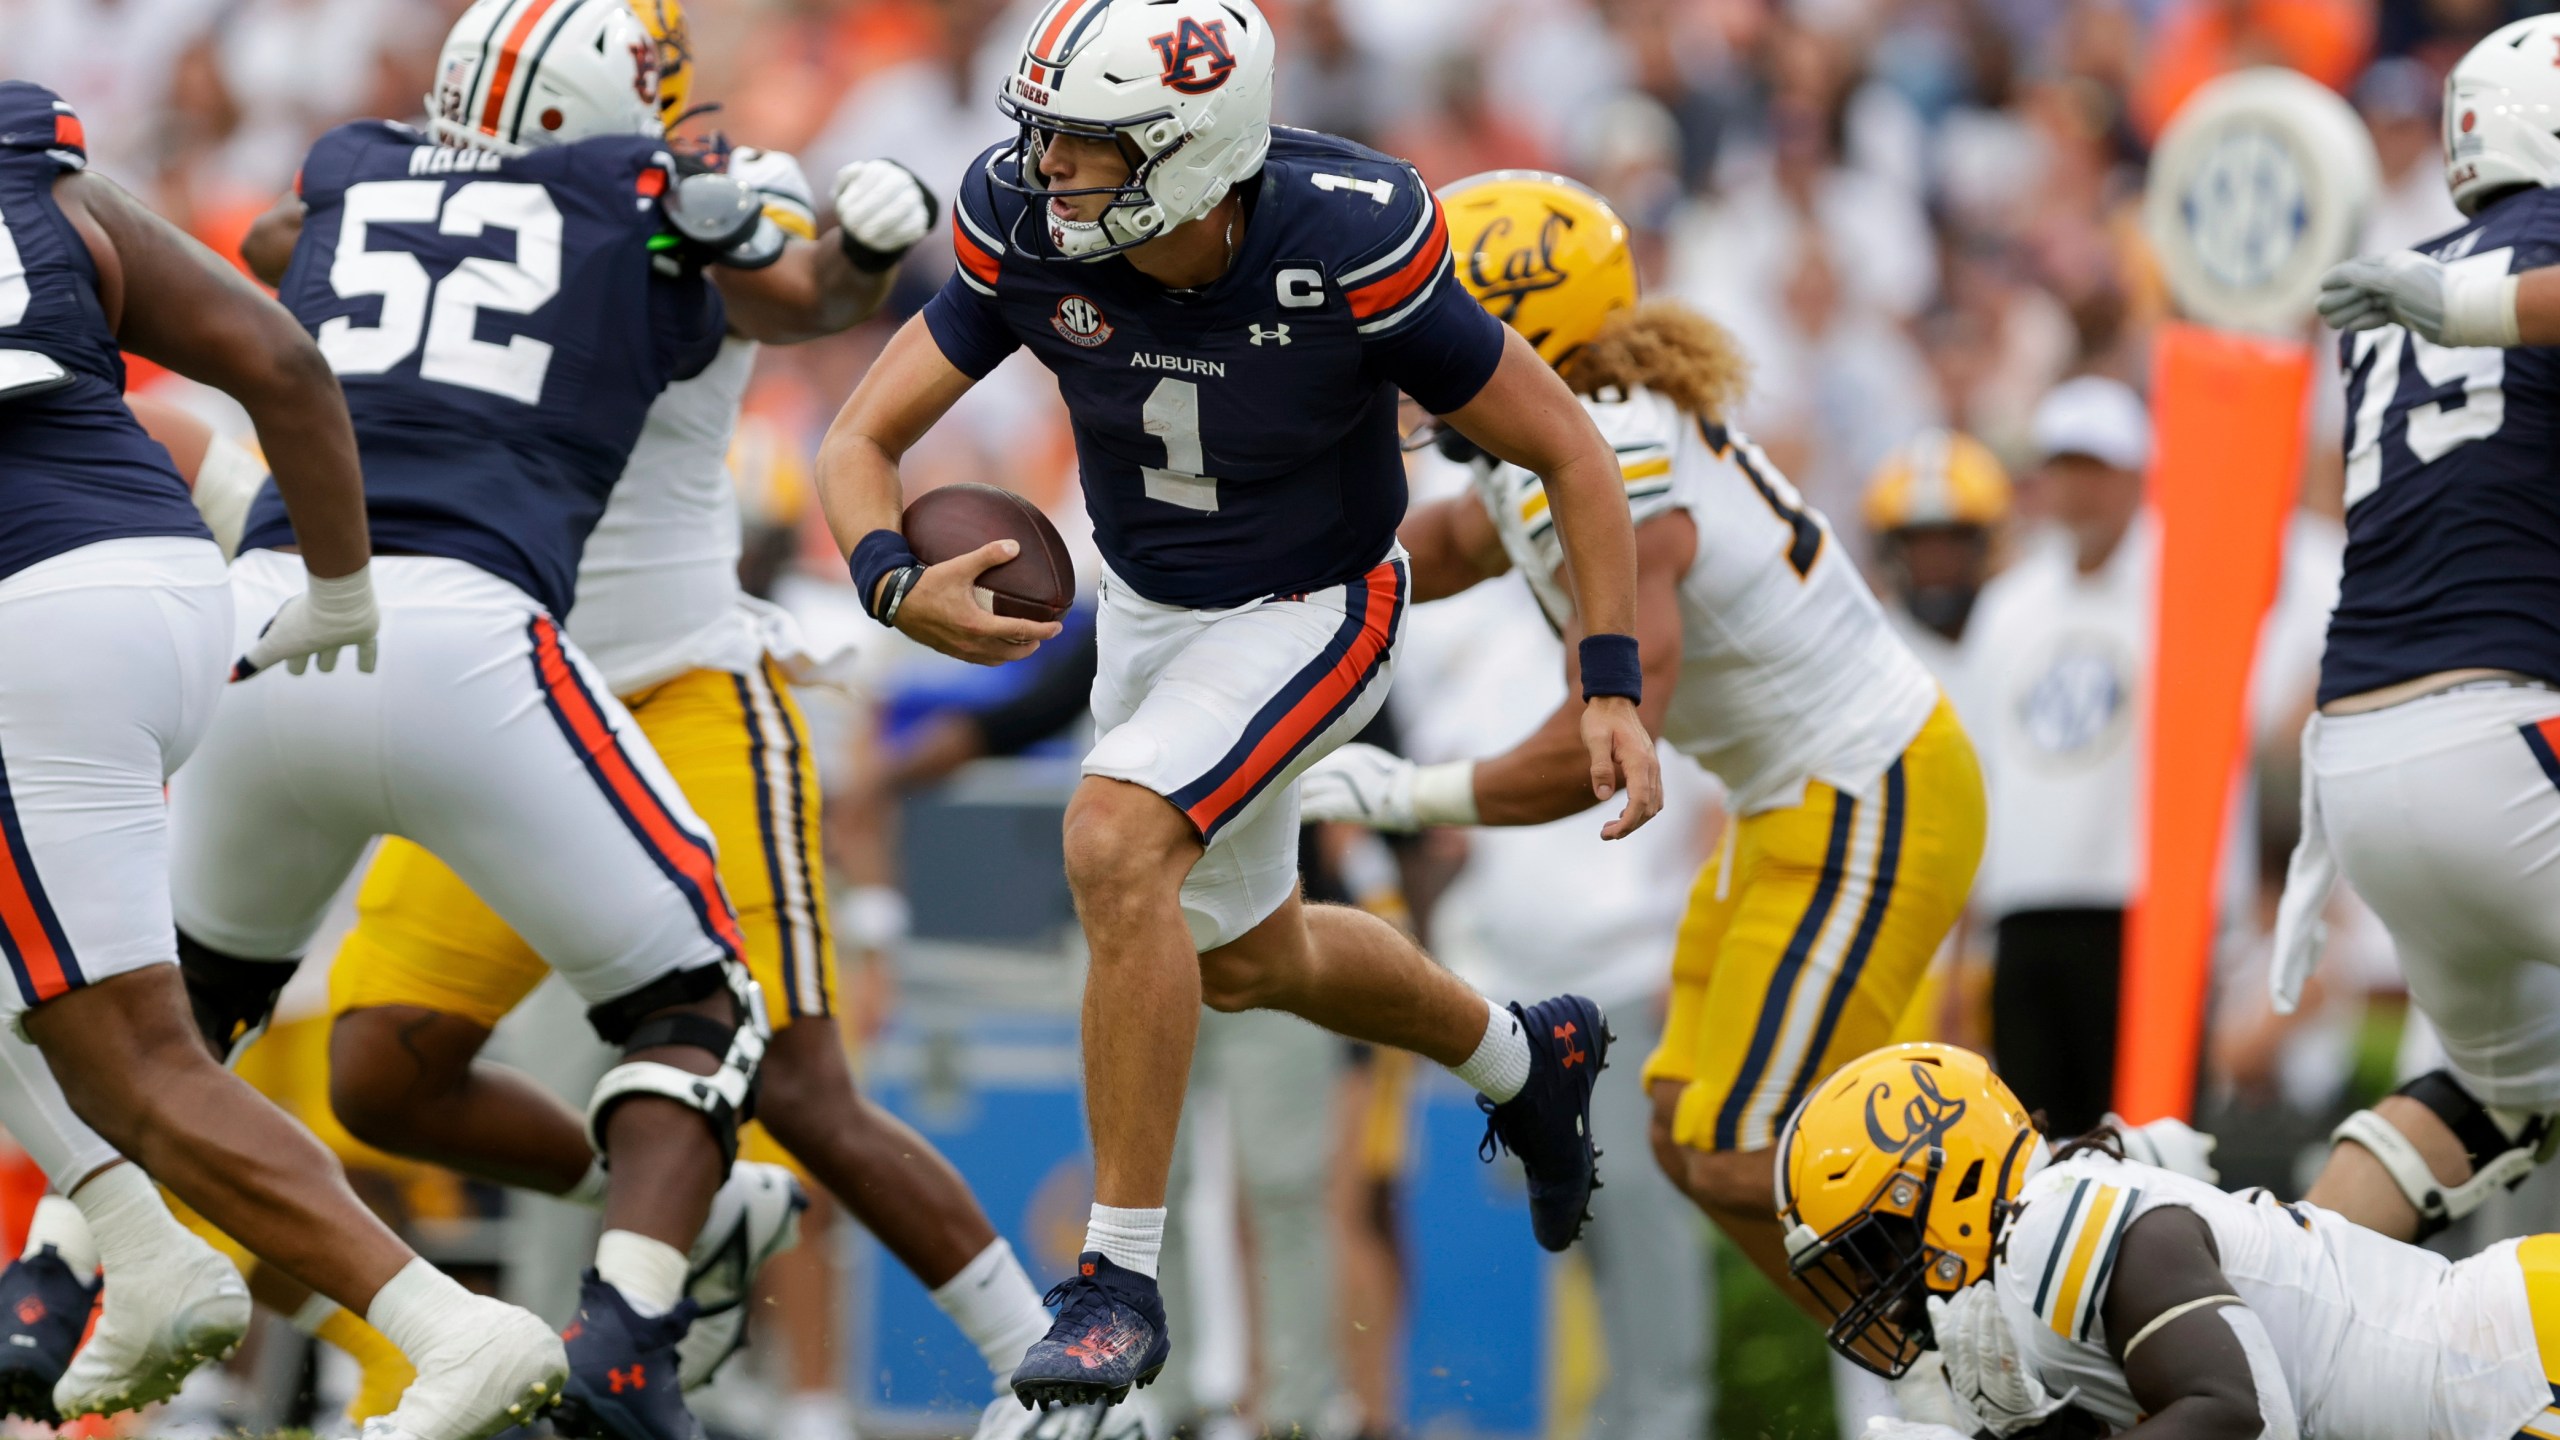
(384, 1065)
(1739, 1183)
(1231, 983)
(804, 1078)
(1123, 844)
(696, 1038)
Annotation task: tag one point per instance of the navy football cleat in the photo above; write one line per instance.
(1109, 1336)
(1548, 1124)
(44, 1309)
(625, 1381)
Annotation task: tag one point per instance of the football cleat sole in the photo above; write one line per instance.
(1055, 1394)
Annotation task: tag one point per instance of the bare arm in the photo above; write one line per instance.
(209, 324)
(268, 247)
(2538, 306)
(906, 390)
(1452, 545)
(1544, 777)
(2190, 1374)
(812, 291)
(1525, 415)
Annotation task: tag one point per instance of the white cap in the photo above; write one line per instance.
(2096, 417)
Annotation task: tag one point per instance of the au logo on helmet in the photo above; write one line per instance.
(1190, 44)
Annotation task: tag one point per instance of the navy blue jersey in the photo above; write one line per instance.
(500, 331)
(75, 467)
(2453, 487)
(1238, 440)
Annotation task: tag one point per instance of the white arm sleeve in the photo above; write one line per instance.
(225, 484)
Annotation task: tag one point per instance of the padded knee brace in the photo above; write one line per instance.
(233, 999)
(725, 1097)
(2502, 1145)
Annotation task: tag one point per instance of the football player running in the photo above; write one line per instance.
(116, 629)
(430, 969)
(2431, 780)
(502, 297)
(2070, 1291)
(1857, 802)
(1230, 309)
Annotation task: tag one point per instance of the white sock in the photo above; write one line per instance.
(315, 1312)
(649, 1273)
(1500, 1066)
(60, 1224)
(589, 1191)
(417, 1307)
(995, 1304)
(128, 1222)
(1130, 1239)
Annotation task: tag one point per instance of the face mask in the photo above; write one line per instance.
(1943, 608)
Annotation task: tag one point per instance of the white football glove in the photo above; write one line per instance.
(2171, 1144)
(775, 173)
(1364, 785)
(326, 617)
(2461, 308)
(1984, 1365)
(1885, 1427)
(882, 206)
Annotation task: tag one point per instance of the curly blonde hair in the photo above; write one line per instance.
(1667, 348)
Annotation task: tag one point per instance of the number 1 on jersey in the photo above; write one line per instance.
(1172, 413)
(1381, 191)
(13, 279)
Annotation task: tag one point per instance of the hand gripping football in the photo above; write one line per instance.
(952, 520)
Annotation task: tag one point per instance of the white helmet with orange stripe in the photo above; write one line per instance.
(515, 75)
(1183, 85)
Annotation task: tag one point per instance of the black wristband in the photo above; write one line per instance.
(893, 595)
(874, 558)
(1612, 665)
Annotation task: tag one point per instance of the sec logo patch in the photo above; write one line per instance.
(1080, 320)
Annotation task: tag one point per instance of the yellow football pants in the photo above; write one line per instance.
(1808, 935)
(736, 745)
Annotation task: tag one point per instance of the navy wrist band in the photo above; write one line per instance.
(874, 557)
(1611, 665)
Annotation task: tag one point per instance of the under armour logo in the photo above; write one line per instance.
(635, 1377)
(1277, 333)
(1564, 1032)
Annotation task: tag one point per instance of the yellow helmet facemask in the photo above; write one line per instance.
(1545, 254)
(1893, 1178)
(664, 20)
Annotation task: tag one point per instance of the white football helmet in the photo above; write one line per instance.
(1185, 85)
(2501, 107)
(515, 75)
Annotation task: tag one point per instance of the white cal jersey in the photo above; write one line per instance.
(658, 583)
(2377, 1340)
(1789, 670)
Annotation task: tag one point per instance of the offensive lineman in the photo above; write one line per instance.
(502, 299)
(115, 629)
(1229, 309)
(428, 970)
(1858, 802)
(2074, 1292)
(2431, 773)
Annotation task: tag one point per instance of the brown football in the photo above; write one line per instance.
(952, 520)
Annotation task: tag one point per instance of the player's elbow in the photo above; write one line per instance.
(276, 364)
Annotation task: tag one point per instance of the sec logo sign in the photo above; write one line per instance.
(1080, 320)
(2260, 183)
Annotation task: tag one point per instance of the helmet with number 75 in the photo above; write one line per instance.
(2501, 109)
(517, 75)
(1183, 87)
(1893, 1178)
(1545, 254)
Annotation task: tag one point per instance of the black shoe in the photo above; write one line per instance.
(44, 1310)
(1548, 1124)
(1109, 1336)
(625, 1382)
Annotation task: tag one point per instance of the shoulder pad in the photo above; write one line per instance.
(2059, 1245)
(982, 218)
(34, 119)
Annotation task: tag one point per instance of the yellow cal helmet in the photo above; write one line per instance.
(664, 20)
(1937, 477)
(1893, 1176)
(1545, 254)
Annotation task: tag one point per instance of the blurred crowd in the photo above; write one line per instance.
(1920, 219)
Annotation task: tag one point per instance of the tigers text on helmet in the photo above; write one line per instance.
(1893, 1178)
(516, 75)
(1184, 88)
(2501, 109)
(1545, 254)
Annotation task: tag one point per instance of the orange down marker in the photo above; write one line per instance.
(2227, 459)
